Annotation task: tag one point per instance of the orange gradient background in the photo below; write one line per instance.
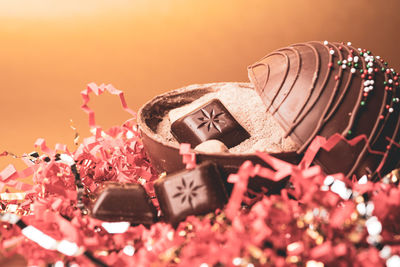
(50, 50)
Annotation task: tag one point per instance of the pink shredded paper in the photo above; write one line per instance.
(316, 219)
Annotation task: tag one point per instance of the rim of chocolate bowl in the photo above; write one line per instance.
(164, 155)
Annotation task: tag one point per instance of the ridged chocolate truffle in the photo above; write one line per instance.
(323, 88)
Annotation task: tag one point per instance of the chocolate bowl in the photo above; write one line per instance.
(164, 155)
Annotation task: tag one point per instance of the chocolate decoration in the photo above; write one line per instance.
(190, 192)
(124, 202)
(210, 121)
(164, 156)
(325, 88)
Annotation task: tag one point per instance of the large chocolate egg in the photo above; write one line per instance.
(324, 88)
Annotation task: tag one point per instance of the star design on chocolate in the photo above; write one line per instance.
(210, 120)
(187, 191)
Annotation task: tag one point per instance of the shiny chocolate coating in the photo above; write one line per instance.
(210, 121)
(323, 88)
(190, 192)
(124, 202)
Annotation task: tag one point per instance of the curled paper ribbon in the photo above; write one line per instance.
(98, 90)
(320, 142)
(188, 157)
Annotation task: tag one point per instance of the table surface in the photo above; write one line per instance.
(50, 50)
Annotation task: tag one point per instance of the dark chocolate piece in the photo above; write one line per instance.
(210, 121)
(124, 202)
(190, 192)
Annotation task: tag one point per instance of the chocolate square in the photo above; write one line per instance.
(190, 192)
(124, 202)
(210, 121)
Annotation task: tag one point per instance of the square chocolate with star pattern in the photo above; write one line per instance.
(190, 192)
(211, 121)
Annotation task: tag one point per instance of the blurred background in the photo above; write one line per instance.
(50, 50)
